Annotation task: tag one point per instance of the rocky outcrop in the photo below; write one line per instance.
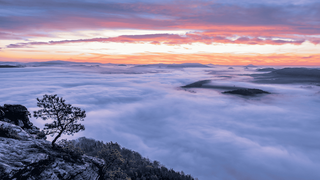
(23, 156)
(36, 159)
(16, 114)
(19, 115)
(12, 131)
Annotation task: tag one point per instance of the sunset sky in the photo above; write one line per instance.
(226, 32)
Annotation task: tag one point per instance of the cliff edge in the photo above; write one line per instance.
(25, 154)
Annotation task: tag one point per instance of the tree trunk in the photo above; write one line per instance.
(56, 138)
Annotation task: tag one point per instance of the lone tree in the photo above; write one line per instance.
(64, 116)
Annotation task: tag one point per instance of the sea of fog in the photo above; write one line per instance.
(205, 133)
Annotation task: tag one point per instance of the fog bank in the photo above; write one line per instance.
(201, 131)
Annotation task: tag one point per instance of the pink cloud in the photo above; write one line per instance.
(284, 21)
(170, 39)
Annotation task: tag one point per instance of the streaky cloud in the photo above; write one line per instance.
(169, 39)
(302, 19)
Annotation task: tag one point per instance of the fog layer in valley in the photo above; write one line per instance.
(201, 131)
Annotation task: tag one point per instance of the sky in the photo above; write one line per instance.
(205, 133)
(226, 32)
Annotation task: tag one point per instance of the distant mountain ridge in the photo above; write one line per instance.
(183, 65)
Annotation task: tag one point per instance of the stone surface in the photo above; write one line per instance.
(36, 159)
(13, 131)
(19, 115)
(23, 156)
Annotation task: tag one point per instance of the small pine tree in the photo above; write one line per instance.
(64, 116)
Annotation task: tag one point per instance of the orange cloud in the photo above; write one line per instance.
(216, 58)
(167, 58)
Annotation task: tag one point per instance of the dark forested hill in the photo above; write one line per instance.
(122, 162)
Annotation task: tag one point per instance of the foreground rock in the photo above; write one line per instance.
(246, 92)
(13, 131)
(23, 156)
(19, 116)
(35, 159)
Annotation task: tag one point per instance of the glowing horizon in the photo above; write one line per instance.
(138, 32)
